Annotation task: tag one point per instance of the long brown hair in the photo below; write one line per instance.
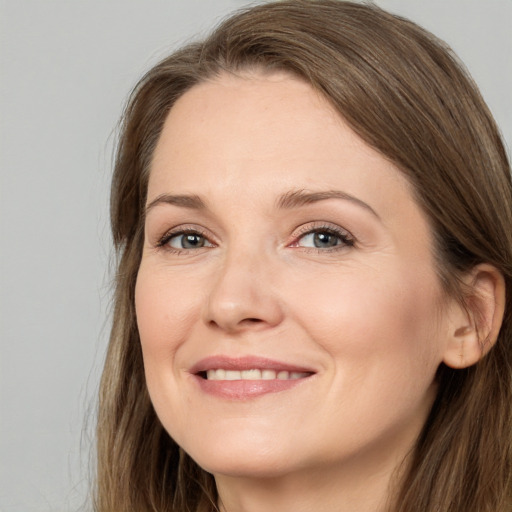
(404, 93)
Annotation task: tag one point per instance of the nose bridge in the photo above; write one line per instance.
(242, 295)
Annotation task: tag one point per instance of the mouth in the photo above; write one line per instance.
(246, 377)
(252, 374)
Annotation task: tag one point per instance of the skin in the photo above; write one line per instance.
(368, 317)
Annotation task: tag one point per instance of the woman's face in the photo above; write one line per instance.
(289, 310)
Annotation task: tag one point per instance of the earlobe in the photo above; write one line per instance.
(474, 325)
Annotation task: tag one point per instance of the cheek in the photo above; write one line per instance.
(383, 343)
(166, 311)
(375, 318)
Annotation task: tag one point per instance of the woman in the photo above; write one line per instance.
(312, 210)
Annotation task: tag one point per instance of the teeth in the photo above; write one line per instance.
(254, 374)
(216, 375)
(251, 375)
(268, 374)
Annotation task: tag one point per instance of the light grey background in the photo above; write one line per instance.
(66, 68)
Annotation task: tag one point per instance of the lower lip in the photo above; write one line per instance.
(245, 389)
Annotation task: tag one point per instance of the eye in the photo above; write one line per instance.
(324, 238)
(320, 240)
(185, 240)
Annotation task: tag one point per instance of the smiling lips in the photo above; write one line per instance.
(247, 377)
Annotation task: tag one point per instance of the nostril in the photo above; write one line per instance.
(253, 320)
(244, 323)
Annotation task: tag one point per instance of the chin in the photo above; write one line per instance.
(242, 459)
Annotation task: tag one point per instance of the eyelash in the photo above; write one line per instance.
(346, 239)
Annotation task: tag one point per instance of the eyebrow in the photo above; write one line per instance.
(193, 202)
(289, 200)
(297, 198)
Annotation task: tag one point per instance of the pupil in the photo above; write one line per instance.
(191, 241)
(324, 240)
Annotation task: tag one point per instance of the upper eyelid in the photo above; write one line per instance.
(306, 228)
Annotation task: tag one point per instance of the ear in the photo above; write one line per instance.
(474, 325)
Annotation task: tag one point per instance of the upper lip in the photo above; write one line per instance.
(245, 363)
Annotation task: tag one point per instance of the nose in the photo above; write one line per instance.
(244, 295)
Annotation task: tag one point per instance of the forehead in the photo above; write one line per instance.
(248, 117)
(254, 124)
